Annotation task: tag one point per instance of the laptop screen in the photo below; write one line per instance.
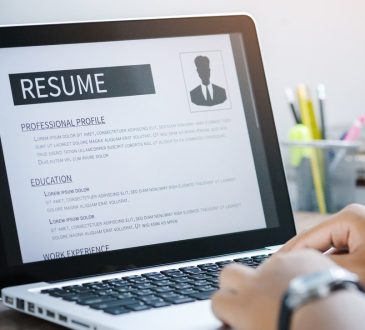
(120, 144)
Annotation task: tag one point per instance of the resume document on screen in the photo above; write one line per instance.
(114, 145)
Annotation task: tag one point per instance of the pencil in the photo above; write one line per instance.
(291, 100)
(307, 112)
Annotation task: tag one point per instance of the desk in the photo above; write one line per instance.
(12, 320)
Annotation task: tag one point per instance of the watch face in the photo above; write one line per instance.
(319, 282)
(317, 285)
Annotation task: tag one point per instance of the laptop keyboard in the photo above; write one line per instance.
(150, 290)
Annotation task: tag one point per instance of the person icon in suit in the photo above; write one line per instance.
(206, 94)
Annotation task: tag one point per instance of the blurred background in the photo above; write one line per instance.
(307, 42)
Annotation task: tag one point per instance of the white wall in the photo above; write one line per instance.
(302, 41)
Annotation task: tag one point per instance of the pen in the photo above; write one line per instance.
(352, 135)
(321, 92)
(355, 130)
(291, 99)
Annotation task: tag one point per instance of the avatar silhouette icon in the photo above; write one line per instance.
(206, 94)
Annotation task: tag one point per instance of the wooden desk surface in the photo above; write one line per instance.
(12, 320)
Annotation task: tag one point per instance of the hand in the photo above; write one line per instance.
(250, 299)
(344, 231)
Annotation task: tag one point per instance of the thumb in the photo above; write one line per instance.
(353, 262)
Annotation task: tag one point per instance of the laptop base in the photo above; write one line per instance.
(195, 315)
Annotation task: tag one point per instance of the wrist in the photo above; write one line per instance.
(313, 287)
(341, 310)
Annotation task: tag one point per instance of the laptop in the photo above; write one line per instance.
(138, 158)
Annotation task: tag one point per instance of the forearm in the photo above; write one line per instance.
(341, 310)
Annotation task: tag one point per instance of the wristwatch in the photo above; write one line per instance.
(314, 286)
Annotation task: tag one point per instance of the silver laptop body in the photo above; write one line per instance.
(131, 148)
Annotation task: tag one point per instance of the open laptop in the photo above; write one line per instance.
(137, 159)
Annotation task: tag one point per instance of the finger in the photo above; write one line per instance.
(234, 277)
(224, 305)
(342, 260)
(334, 232)
(351, 262)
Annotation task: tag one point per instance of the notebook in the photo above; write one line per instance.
(138, 158)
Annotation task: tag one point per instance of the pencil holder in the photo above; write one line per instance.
(321, 175)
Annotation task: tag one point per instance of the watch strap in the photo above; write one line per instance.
(286, 311)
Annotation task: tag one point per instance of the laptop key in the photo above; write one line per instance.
(138, 280)
(111, 280)
(182, 286)
(214, 281)
(159, 304)
(168, 294)
(53, 291)
(106, 292)
(261, 256)
(108, 304)
(184, 279)
(78, 296)
(187, 291)
(144, 286)
(119, 284)
(179, 299)
(163, 283)
(117, 310)
(141, 293)
(131, 277)
(85, 294)
(125, 295)
(201, 276)
(159, 277)
(174, 274)
(212, 270)
(202, 295)
(100, 286)
(151, 297)
(81, 289)
(95, 300)
(138, 307)
(46, 291)
(89, 283)
(63, 294)
(163, 289)
(151, 274)
(206, 288)
(224, 263)
(128, 301)
(191, 270)
(206, 265)
(124, 289)
(168, 271)
(201, 283)
(71, 287)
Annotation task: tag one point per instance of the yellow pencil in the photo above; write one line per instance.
(307, 112)
(309, 120)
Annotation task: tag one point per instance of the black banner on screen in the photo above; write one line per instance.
(81, 84)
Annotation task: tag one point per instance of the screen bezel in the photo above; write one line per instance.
(172, 252)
